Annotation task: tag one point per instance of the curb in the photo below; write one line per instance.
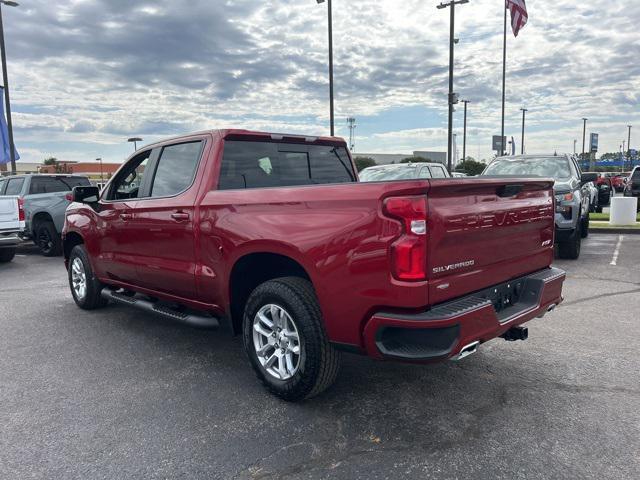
(615, 231)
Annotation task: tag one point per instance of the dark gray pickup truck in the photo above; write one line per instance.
(45, 201)
(570, 188)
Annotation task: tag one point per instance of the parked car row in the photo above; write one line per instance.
(44, 199)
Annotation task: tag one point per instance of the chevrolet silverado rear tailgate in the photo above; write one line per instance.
(486, 230)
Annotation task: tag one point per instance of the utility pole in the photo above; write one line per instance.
(351, 121)
(574, 145)
(504, 76)
(453, 98)
(464, 135)
(524, 111)
(330, 21)
(5, 77)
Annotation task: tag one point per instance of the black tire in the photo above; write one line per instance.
(318, 362)
(570, 249)
(47, 239)
(584, 228)
(7, 254)
(92, 298)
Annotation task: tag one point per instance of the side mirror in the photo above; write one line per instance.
(589, 177)
(86, 194)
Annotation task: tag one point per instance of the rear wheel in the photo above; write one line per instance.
(85, 287)
(285, 340)
(7, 254)
(48, 239)
(571, 248)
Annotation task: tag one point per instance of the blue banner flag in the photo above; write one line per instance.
(5, 153)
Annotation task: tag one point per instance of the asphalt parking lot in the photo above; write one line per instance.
(121, 394)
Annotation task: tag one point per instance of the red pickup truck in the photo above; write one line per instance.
(272, 237)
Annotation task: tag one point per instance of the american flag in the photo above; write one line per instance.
(519, 15)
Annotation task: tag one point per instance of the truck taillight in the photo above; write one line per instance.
(20, 210)
(409, 252)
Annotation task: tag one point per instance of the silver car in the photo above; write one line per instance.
(403, 171)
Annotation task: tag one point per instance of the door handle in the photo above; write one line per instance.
(126, 216)
(180, 216)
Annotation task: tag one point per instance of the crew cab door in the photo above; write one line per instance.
(117, 243)
(163, 220)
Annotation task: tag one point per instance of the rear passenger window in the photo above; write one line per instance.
(267, 164)
(14, 186)
(424, 173)
(176, 169)
(438, 172)
(2, 183)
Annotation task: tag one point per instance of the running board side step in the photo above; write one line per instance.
(191, 319)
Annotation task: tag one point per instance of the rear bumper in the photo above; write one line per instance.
(440, 333)
(9, 240)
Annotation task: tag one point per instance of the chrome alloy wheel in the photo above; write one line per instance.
(276, 342)
(78, 278)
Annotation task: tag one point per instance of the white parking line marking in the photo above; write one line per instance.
(616, 252)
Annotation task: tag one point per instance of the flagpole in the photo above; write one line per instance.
(12, 148)
(504, 74)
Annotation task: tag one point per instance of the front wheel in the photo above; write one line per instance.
(571, 248)
(85, 287)
(584, 228)
(285, 339)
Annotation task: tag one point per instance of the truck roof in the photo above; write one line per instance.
(256, 135)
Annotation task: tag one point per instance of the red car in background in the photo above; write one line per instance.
(619, 181)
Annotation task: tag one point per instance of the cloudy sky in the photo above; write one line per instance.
(87, 74)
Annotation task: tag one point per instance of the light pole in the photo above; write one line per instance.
(101, 176)
(524, 111)
(584, 135)
(464, 135)
(135, 141)
(574, 145)
(629, 146)
(12, 148)
(453, 98)
(330, 22)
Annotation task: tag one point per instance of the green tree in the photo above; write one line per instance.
(470, 167)
(364, 162)
(415, 160)
(51, 161)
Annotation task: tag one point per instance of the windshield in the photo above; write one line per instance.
(554, 167)
(382, 174)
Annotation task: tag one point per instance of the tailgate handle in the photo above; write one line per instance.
(509, 190)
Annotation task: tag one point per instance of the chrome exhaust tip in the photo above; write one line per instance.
(466, 351)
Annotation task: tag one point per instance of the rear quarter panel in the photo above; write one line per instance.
(336, 232)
